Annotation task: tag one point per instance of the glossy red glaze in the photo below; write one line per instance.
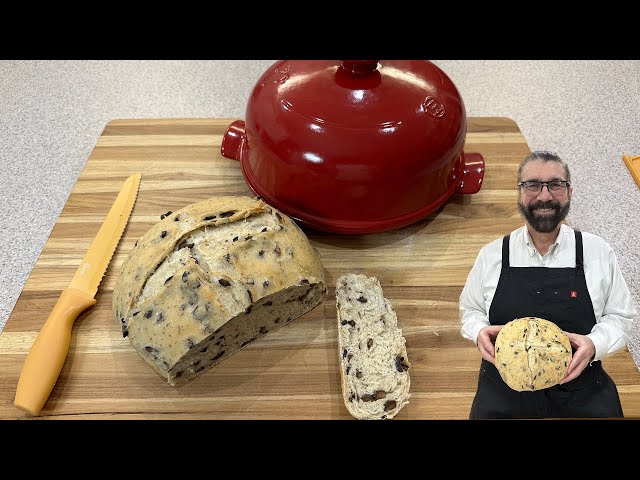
(355, 146)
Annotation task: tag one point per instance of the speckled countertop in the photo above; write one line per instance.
(53, 112)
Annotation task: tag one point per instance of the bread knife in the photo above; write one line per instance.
(44, 362)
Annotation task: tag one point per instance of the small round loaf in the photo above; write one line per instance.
(532, 353)
(211, 278)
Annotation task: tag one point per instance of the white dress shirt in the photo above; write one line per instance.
(612, 302)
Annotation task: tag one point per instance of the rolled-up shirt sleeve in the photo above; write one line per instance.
(611, 332)
(473, 314)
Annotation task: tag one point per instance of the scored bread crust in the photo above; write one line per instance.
(532, 353)
(211, 278)
(374, 367)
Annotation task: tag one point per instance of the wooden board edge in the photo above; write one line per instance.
(633, 164)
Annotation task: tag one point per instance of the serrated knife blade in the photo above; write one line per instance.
(49, 350)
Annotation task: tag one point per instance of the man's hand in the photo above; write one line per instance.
(585, 351)
(486, 340)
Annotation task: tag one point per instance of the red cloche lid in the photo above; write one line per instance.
(354, 146)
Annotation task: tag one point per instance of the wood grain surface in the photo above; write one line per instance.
(291, 373)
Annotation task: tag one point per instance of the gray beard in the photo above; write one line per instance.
(544, 224)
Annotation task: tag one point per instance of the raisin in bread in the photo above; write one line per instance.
(532, 353)
(373, 359)
(212, 278)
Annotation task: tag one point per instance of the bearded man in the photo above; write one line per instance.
(548, 270)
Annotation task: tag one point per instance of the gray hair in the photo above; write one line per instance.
(544, 156)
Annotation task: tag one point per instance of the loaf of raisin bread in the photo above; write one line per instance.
(210, 279)
(532, 353)
(373, 360)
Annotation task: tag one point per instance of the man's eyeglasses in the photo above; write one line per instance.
(555, 187)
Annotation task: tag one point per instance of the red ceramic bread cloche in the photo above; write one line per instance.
(355, 146)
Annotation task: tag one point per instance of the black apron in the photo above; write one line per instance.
(561, 296)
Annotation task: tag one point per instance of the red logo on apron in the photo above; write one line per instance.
(574, 294)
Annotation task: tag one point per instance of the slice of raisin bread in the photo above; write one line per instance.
(210, 279)
(374, 366)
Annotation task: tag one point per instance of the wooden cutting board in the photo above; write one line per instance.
(291, 373)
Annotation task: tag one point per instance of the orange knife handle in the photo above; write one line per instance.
(49, 351)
